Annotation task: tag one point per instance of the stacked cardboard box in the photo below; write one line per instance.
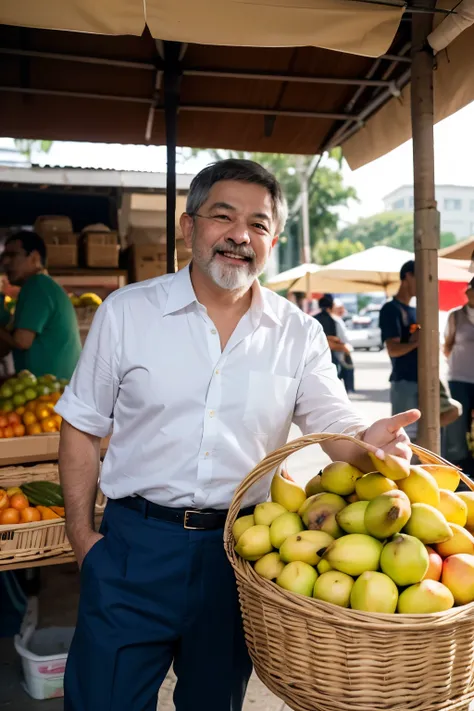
(101, 249)
(61, 242)
(149, 260)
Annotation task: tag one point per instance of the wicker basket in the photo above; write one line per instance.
(320, 657)
(41, 539)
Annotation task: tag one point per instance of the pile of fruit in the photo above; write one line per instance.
(36, 501)
(89, 299)
(398, 539)
(27, 405)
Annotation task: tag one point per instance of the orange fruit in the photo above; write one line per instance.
(55, 397)
(58, 420)
(19, 430)
(19, 501)
(4, 500)
(13, 490)
(8, 432)
(30, 514)
(49, 425)
(3, 421)
(29, 418)
(31, 406)
(9, 517)
(20, 410)
(34, 429)
(42, 412)
(44, 398)
(13, 418)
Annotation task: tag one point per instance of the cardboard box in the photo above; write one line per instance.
(101, 249)
(61, 249)
(47, 224)
(146, 261)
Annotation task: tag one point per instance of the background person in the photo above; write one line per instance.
(44, 337)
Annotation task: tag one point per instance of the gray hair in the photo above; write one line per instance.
(246, 171)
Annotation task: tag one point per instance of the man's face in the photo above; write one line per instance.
(18, 265)
(411, 281)
(233, 234)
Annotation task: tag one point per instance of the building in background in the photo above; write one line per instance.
(455, 205)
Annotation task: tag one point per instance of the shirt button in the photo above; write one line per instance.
(206, 454)
(213, 331)
(217, 372)
(212, 413)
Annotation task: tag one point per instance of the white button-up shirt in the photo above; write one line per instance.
(190, 420)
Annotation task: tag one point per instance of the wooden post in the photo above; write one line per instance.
(171, 85)
(426, 230)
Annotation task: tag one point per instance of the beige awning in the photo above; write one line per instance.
(363, 28)
(391, 126)
(459, 250)
(286, 279)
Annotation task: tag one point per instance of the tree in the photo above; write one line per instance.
(393, 229)
(326, 191)
(327, 251)
(27, 146)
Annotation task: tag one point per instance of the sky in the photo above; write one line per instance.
(454, 163)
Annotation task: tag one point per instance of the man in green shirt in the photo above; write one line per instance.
(45, 336)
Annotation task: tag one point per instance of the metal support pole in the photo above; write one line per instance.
(426, 230)
(172, 81)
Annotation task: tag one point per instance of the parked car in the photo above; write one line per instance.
(363, 332)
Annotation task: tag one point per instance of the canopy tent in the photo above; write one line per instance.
(285, 280)
(459, 250)
(374, 269)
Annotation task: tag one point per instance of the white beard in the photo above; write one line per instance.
(229, 277)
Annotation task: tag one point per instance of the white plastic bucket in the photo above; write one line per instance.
(43, 655)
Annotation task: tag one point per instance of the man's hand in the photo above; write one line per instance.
(82, 547)
(388, 435)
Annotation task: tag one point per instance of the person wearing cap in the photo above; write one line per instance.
(459, 350)
(200, 374)
(44, 336)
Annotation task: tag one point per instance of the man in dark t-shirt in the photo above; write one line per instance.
(400, 334)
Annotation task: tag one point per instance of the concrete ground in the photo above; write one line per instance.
(59, 595)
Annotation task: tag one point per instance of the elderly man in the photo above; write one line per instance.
(201, 374)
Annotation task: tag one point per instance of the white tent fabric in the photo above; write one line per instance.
(375, 269)
(285, 280)
(364, 28)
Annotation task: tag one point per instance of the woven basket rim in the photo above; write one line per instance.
(300, 604)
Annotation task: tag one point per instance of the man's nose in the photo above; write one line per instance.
(239, 233)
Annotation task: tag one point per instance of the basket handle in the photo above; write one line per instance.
(274, 459)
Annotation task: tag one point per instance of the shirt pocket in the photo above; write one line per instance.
(270, 402)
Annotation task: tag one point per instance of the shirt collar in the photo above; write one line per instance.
(181, 294)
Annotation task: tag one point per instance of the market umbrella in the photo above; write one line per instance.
(374, 269)
(285, 280)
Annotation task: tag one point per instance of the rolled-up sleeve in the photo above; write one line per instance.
(88, 401)
(322, 404)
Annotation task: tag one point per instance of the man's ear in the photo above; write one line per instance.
(186, 223)
(274, 241)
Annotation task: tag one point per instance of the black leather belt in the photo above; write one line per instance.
(191, 519)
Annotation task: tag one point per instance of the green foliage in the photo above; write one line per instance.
(26, 146)
(393, 229)
(329, 250)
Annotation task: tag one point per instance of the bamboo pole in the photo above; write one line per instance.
(426, 231)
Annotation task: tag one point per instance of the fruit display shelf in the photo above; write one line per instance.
(35, 448)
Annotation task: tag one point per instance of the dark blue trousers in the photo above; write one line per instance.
(155, 594)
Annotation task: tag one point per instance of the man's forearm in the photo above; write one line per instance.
(79, 458)
(395, 350)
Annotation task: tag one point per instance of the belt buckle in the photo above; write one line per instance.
(187, 513)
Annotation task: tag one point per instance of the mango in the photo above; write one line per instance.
(373, 484)
(387, 514)
(340, 478)
(461, 542)
(351, 518)
(321, 515)
(458, 576)
(374, 592)
(254, 543)
(284, 526)
(420, 487)
(435, 566)
(306, 505)
(334, 587)
(270, 566)
(265, 514)
(306, 546)
(428, 524)
(453, 508)
(394, 468)
(405, 560)
(425, 598)
(354, 554)
(468, 498)
(323, 566)
(313, 486)
(241, 524)
(286, 492)
(446, 477)
(298, 577)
